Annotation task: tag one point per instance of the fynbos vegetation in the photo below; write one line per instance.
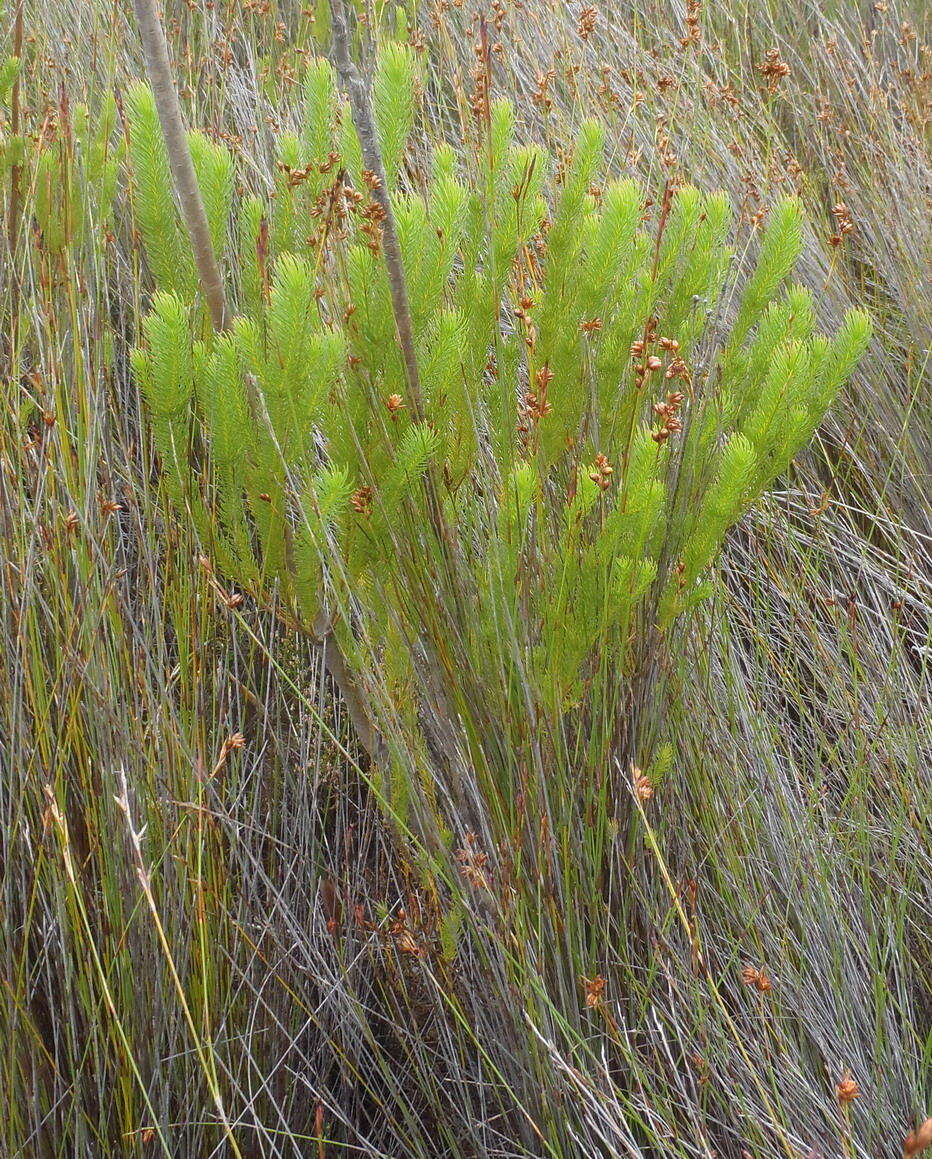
(537, 505)
(450, 710)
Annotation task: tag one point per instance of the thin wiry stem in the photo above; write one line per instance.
(202, 1049)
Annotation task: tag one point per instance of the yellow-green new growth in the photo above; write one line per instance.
(568, 458)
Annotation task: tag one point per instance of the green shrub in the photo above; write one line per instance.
(502, 549)
(587, 434)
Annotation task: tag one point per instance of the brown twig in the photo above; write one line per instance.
(15, 178)
(372, 160)
(366, 731)
(364, 123)
(158, 67)
(192, 208)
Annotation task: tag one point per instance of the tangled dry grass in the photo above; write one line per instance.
(211, 942)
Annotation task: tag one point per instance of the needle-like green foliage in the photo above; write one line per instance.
(168, 256)
(613, 876)
(517, 541)
(556, 330)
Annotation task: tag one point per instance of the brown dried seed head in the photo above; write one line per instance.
(586, 23)
(595, 988)
(919, 1140)
(847, 1090)
(361, 501)
(773, 69)
(235, 740)
(474, 863)
(759, 979)
(642, 786)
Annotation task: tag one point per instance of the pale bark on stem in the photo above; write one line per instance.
(364, 123)
(158, 67)
(15, 180)
(361, 719)
(372, 160)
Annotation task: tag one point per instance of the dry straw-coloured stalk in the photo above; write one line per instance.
(202, 1048)
(772, 698)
